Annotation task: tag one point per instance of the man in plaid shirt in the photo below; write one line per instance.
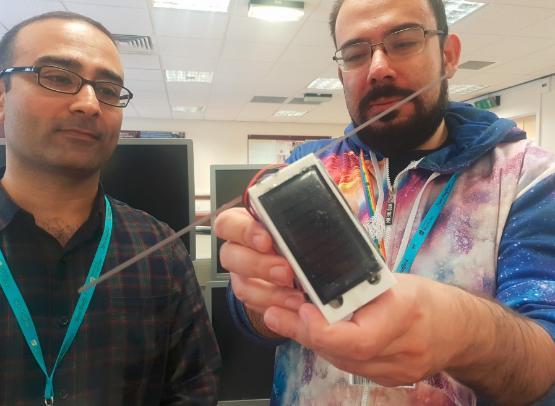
(141, 338)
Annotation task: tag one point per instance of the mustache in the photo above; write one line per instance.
(386, 91)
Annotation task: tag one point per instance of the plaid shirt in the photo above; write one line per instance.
(146, 338)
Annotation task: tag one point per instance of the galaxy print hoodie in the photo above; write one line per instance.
(494, 237)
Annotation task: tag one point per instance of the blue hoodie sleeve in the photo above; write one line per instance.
(526, 262)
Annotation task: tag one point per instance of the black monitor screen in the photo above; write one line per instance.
(247, 367)
(226, 183)
(155, 176)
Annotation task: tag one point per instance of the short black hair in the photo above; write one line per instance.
(8, 40)
(436, 5)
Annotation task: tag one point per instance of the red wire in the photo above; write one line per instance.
(255, 180)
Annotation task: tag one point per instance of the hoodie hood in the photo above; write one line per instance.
(472, 132)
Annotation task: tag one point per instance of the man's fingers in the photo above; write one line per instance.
(259, 294)
(247, 262)
(238, 226)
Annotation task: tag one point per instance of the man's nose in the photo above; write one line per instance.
(380, 68)
(85, 101)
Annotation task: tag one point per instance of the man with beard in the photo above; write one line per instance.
(474, 320)
(143, 338)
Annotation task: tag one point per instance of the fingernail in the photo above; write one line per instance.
(303, 313)
(271, 321)
(258, 242)
(293, 302)
(279, 274)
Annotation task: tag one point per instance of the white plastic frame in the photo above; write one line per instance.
(356, 297)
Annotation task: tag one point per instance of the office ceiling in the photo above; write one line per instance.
(255, 58)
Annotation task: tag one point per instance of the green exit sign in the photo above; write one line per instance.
(488, 102)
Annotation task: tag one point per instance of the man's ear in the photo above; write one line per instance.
(340, 74)
(451, 55)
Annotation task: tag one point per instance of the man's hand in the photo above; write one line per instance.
(401, 337)
(259, 277)
(416, 329)
(421, 327)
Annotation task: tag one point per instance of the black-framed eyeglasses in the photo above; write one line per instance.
(397, 45)
(62, 80)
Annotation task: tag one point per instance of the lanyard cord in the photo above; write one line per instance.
(410, 248)
(373, 206)
(426, 226)
(21, 311)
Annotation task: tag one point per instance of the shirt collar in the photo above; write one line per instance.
(8, 208)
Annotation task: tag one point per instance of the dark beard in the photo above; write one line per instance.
(396, 139)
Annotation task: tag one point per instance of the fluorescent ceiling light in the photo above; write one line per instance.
(188, 109)
(194, 5)
(465, 89)
(276, 10)
(326, 84)
(458, 9)
(189, 76)
(290, 113)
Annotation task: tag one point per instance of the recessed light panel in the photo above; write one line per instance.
(189, 76)
(188, 109)
(276, 10)
(290, 113)
(459, 9)
(465, 89)
(326, 84)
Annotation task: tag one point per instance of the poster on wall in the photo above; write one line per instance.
(150, 134)
(273, 149)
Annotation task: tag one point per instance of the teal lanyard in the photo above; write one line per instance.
(25, 321)
(426, 226)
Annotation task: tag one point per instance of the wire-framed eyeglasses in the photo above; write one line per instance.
(62, 80)
(398, 44)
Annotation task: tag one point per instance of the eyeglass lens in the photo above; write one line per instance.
(64, 81)
(397, 44)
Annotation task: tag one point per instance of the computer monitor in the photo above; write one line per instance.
(248, 368)
(226, 183)
(153, 175)
(156, 176)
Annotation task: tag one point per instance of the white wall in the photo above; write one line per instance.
(534, 98)
(225, 142)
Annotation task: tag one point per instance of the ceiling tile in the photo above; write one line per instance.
(222, 112)
(314, 33)
(542, 29)
(15, 12)
(313, 55)
(240, 72)
(250, 29)
(136, 21)
(130, 112)
(189, 47)
(188, 94)
(120, 3)
(252, 51)
(132, 61)
(508, 49)
(153, 109)
(322, 10)
(172, 62)
(144, 74)
(192, 24)
(486, 20)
